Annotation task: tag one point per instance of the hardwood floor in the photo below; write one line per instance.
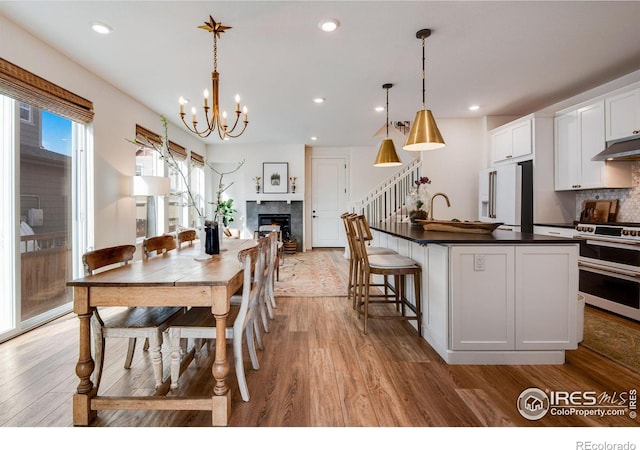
(317, 370)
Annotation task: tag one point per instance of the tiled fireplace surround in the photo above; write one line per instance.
(294, 208)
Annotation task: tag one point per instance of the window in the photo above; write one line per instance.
(149, 209)
(196, 181)
(178, 173)
(25, 113)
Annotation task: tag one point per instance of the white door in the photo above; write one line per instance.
(328, 201)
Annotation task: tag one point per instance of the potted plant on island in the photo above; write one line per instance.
(417, 201)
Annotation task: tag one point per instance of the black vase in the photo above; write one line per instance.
(212, 241)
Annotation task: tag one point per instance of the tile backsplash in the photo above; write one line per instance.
(628, 199)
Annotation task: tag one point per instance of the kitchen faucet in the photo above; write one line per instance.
(430, 217)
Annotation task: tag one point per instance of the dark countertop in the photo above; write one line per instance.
(557, 225)
(415, 233)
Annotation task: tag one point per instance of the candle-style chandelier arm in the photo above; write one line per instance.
(214, 120)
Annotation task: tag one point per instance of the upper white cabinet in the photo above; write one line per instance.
(623, 115)
(512, 141)
(579, 136)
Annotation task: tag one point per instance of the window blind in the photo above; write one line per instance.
(24, 86)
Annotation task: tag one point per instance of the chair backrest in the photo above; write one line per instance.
(158, 244)
(97, 259)
(263, 229)
(252, 262)
(348, 231)
(186, 236)
(359, 233)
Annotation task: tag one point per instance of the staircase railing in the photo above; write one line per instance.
(385, 203)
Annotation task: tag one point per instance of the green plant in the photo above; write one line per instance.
(225, 211)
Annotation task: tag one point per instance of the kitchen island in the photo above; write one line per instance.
(499, 298)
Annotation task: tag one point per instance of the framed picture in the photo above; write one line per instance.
(275, 178)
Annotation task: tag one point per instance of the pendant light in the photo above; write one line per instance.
(424, 133)
(387, 156)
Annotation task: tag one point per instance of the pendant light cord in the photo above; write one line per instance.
(423, 76)
(387, 113)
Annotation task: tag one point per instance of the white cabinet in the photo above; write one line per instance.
(513, 297)
(512, 141)
(546, 300)
(482, 298)
(579, 136)
(623, 115)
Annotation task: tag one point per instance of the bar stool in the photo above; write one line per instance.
(394, 265)
(354, 265)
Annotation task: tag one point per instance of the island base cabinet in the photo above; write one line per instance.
(482, 300)
(513, 298)
(546, 297)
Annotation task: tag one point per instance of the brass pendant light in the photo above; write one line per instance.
(424, 133)
(387, 156)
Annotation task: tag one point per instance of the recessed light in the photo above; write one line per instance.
(329, 25)
(318, 100)
(101, 28)
(474, 107)
(379, 108)
(314, 138)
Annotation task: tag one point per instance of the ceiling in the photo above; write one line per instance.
(508, 57)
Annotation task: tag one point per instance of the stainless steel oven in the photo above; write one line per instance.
(609, 266)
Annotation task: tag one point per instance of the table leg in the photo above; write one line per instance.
(82, 413)
(221, 407)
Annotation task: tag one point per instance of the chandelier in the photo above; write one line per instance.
(214, 120)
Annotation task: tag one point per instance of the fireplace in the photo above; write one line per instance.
(275, 212)
(284, 220)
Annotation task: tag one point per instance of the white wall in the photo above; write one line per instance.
(225, 157)
(454, 169)
(116, 115)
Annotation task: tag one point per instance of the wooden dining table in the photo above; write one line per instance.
(176, 278)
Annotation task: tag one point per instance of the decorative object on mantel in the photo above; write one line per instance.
(214, 120)
(293, 180)
(387, 155)
(257, 180)
(417, 201)
(424, 133)
(275, 175)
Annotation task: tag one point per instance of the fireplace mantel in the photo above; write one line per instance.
(288, 198)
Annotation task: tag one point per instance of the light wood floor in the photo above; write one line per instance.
(318, 369)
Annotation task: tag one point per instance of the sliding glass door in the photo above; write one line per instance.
(44, 210)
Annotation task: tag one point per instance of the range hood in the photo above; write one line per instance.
(620, 151)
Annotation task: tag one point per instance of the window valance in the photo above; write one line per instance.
(26, 87)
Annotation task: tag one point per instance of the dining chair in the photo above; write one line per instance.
(158, 244)
(354, 262)
(268, 248)
(392, 264)
(263, 230)
(186, 236)
(132, 323)
(199, 323)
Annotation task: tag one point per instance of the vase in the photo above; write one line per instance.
(293, 188)
(203, 238)
(417, 203)
(257, 188)
(416, 214)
